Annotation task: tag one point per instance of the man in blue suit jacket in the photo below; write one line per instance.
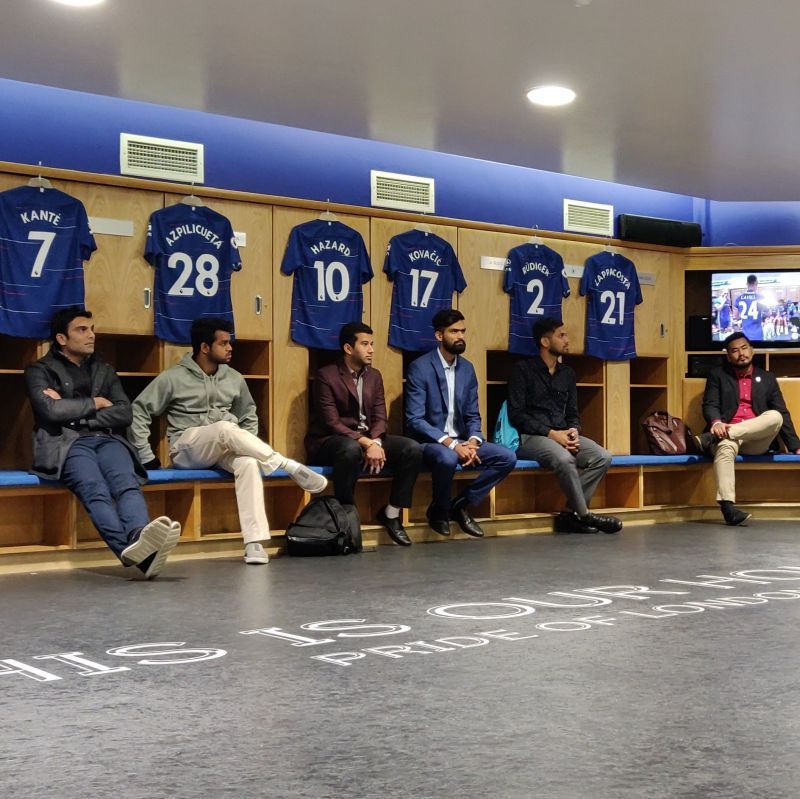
(442, 413)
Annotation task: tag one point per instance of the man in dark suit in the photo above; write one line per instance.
(745, 411)
(81, 414)
(442, 413)
(348, 429)
(543, 406)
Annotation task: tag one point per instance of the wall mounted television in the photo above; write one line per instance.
(765, 306)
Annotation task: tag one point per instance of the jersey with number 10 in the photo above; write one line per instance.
(329, 262)
(44, 240)
(536, 283)
(194, 254)
(425, 273)
(611, 287)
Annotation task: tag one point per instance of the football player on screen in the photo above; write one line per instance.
(749, 304)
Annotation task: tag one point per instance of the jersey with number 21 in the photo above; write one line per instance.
(194, 254)
(611, 287)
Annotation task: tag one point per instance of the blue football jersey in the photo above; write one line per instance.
(425, 273)
(329, 262)
(750, 305)
(611, 287)
(536, 282)
(44, 240)
(194, 254)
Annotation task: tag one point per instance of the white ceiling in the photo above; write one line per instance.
(699, 97)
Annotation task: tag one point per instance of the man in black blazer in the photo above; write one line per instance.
(81, 413)
(348, 429)
(745, 411)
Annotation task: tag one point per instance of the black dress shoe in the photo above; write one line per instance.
(734, 517)
(463, 518)
(605, 524)
(395, 529)
(437, 523)
(569, 522)
(705, 443)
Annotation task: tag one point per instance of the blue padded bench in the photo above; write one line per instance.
(17, 479)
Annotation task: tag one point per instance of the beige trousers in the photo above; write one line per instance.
(751, 437)
(225, 445)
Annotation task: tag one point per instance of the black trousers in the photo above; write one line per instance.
(403, 457)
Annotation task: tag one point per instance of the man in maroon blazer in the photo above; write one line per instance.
(348, 429)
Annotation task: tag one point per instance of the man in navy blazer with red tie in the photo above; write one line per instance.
(441, 408)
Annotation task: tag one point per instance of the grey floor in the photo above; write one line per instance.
(684, 701)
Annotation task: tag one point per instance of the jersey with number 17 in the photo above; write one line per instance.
(425, 273)
(193, 250)
(330, 263)
(44, 240)
(611, 287)
(536, 283)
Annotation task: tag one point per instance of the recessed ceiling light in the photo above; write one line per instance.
(79, 3)
(551, 95)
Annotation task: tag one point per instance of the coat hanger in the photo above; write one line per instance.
(327, 215)
(423, 227)
(609, 247)
(193, 200)
(40, 182)
(534, 239)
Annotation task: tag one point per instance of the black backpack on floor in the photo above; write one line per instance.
(325, 527)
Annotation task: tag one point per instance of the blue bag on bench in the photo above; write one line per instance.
(505, 433)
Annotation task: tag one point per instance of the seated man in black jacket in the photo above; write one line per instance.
(745, 411)
(81, 414)
(543, 406)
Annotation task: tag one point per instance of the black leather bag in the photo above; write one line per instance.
(667, 435)
(325, 527)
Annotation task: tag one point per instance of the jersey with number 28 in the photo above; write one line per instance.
(329, 262)
(194, 254)
(44, 240)
(611, 287)
(536, 283)
(425, 273)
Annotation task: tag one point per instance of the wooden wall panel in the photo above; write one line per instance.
(117, 275)
(290, 360)
(255, 277)
(618, 408)
(388, 359)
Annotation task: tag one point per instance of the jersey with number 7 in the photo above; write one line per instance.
(193, 250)
(611, 287)
(329, 262)
(44, 240)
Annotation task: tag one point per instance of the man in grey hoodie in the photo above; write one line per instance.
(212, 422)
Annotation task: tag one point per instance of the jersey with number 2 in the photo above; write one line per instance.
(44, 240)
(611, 287)
(536, 283)
(329, 262)
(194, 253)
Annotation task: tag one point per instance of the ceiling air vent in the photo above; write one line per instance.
(593, 218)
(402, 192)
(147, 157)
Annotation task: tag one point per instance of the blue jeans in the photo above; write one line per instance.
(496, 463)
(99, 471)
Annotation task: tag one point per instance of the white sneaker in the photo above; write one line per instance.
(163, 551)
(255, 553)
(306, 478)
(151, 538)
